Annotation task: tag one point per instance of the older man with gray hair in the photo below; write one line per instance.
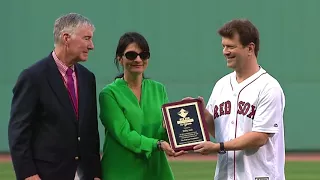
(53, 126)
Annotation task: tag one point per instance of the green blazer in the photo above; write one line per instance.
(132, 131)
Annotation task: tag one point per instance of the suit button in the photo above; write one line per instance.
(76, 158)
(78, 138)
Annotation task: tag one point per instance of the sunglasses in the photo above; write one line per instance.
(131, 55)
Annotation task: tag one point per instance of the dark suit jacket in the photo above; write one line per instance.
(45, 136)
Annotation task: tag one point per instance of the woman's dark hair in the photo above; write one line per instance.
(125, 40)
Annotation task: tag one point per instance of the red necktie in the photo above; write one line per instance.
(71, 89)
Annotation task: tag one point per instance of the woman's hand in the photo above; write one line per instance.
(169, 151)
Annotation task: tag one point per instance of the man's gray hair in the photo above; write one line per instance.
(68, 24)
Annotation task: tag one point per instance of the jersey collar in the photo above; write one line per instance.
(237, 86)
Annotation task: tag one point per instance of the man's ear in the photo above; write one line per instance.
(66, 37)
(251, 47)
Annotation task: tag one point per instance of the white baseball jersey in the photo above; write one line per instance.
(256, 104)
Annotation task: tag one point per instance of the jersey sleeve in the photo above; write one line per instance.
(210, 104)
(212, 99)
(269, 111)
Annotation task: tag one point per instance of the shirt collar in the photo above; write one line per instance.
(61, 66)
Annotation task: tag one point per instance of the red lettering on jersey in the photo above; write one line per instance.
(246, 108)
(240, 107)
(223, 109)
(221, 106)
(227, 107)
(252, 113)
(243, 108)
(215, 114)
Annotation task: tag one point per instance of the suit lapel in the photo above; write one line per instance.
(56, 83)
(82, 91)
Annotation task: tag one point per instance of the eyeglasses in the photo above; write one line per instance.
(131, 55)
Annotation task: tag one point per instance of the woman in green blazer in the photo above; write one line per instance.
(135, 144)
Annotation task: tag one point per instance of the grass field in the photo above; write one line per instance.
(204, 170)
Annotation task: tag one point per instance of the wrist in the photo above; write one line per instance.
(222, 149)
(159, 145)
(206, 113)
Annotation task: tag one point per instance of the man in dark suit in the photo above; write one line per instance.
(53, 128)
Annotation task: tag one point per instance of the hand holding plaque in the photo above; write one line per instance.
(185, 123)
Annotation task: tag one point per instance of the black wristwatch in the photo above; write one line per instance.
(159, 144)
(222, 150)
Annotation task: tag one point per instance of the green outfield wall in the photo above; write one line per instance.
(186, 50)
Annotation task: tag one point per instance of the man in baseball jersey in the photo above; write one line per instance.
(245, 112)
